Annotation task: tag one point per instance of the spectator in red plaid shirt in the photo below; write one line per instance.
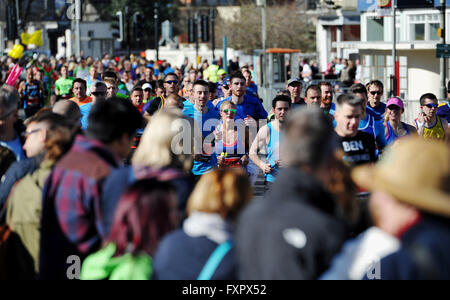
(71, 222)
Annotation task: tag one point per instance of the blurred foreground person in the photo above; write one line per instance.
(71, 196)
(204, 247)
(49, 135)
(156, 156)
(411, 201)
(295, 231)
(145, 213)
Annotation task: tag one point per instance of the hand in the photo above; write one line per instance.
(249, 121)
(244, 160)
(267, 169)
(426, 119)
(218, 134)
(220, 160)
(279, 163)
(420, 118)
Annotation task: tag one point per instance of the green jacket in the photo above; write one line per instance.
(102, 265)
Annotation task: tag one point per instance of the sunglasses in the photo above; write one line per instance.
(394, 107)
(171, 81)
(233, 111)
(376, 93)
(226, 87)
(431, 105)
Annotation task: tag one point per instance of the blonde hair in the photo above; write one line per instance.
(222, 191)
(157, 148)
(228, 102)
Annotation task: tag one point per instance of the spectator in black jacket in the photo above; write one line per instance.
(295, 231)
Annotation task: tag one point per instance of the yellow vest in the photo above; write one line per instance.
(435, 132)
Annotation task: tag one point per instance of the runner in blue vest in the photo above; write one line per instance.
(269, 137)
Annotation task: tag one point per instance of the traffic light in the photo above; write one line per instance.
(139, 26)
(205, 28)
(11, 22)
(192, 30)
(117, 26)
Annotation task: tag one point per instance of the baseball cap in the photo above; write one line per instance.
(226, 82)
(395, 101)
(221, 72)
(292, 80)
(147, 86)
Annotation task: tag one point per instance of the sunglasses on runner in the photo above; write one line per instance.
(172, 82)
(394, 107)
(431, 105)
(376, 93)
(233, 111)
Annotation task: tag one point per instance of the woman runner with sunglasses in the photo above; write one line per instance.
(428, 124)
(230, 142)
(394, 127)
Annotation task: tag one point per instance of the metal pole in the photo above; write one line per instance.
(77, 27)
(196, 36)
(213, 41)
(394, 50)
(264, 26)
(443, 59)
(19, 22)
(155, 16)
(225, 59)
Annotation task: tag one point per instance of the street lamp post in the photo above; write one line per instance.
(443, 89)
(262, 4)
(155, 17)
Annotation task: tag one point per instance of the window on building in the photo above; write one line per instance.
(423, 27)
(375, 29)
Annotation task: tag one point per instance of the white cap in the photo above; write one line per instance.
(147, 86)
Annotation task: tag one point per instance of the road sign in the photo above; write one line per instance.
(443, 51)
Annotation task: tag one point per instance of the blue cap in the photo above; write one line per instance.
(149, 66)
(226, 82)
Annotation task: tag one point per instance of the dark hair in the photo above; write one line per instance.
(358, 88)
(448, 85)
(110, 119)
(212, 87)
(427, 96)
(376, 83)
(285, 93)
(350, 99)
(109, 74)
(7, 158)
(202, 83)
(79, 80)
(236, 74)
(136, 88)
(158, 84)
(281, 98)
(314, 87)
(142, 217)
(170, 74)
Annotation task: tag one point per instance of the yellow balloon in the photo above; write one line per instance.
(16, 52)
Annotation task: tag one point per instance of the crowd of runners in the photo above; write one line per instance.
(142, 170)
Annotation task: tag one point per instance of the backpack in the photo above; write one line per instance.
(15, 260)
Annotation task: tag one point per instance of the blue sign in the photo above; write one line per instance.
(367, 5)
(372, 5)
(438, 3)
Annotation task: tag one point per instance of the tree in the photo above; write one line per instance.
(286, 28)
